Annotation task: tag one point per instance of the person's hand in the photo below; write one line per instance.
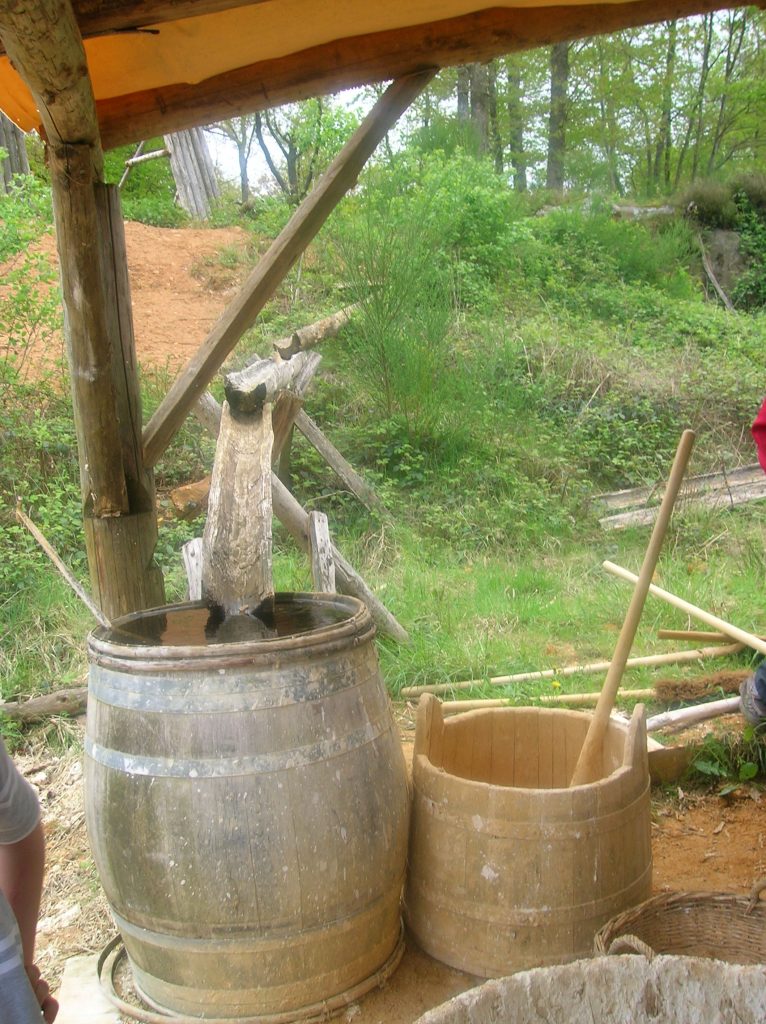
(48, 1004)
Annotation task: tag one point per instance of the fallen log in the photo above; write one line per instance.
(309, 336)
(673, 721)
(70, 702)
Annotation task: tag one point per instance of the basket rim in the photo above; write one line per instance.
(750, 906)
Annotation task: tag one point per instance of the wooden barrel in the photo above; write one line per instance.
(247, 807)
(508, 868)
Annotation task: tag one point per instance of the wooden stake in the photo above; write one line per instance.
(589, 762)
(575, 699)
(51, 552)
(192, 555)
(692, 634)
(236, 552)
(734, 632)
(322, 562)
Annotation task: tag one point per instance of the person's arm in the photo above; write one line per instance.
(21, 882)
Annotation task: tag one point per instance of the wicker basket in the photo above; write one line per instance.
(717, 925)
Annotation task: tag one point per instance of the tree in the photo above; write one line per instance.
(13, 152)
(240, 131)
(517, 120)
(298, 140)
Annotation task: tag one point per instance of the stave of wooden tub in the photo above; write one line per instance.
(247, 809)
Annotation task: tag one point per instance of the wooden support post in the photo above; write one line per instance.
(42, 39)
(322, 561)
(294, 518)
(274, 266)
(191, 553)
(338, 464)
(118, 494)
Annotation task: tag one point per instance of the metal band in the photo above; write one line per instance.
(260, 764)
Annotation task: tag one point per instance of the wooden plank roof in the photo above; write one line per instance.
(161, 65)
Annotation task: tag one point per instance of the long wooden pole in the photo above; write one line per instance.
(588, 765)
(275, 264)
(708, 618)
(450, 707)
(645, 661)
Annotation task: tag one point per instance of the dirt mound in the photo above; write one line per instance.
(180, 278)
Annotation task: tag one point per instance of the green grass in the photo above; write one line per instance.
(577, 352)
(42, 643)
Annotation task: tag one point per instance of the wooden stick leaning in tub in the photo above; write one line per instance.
(589, 762)
(647, 660)
(741, 635)
(51, 552)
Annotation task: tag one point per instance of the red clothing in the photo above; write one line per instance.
(759, 435)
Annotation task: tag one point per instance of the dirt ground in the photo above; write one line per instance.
(700, 841)
(180, 279)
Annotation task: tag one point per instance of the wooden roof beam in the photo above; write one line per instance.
(375, 57)
(43, 42)
(98, 17)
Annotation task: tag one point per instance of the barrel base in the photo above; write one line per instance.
(114, 952)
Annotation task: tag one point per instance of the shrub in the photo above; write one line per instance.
(709, 204)
(750, 289)
(148, 195)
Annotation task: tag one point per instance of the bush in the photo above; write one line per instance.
(399, 336)
(750, 289)
(709, 204)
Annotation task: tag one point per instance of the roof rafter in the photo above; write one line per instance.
(364, 59)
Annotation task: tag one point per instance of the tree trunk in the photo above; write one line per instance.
(12, 141)
(480, 105)
(608, 117)
(494, 128)
(737, 25)
(517, 119)
(559, 66)
(664, 144)
(463, 93)
(192, 171)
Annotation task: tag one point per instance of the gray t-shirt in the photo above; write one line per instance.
(19, 814)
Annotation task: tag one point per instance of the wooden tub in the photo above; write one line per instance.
(508, 867)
